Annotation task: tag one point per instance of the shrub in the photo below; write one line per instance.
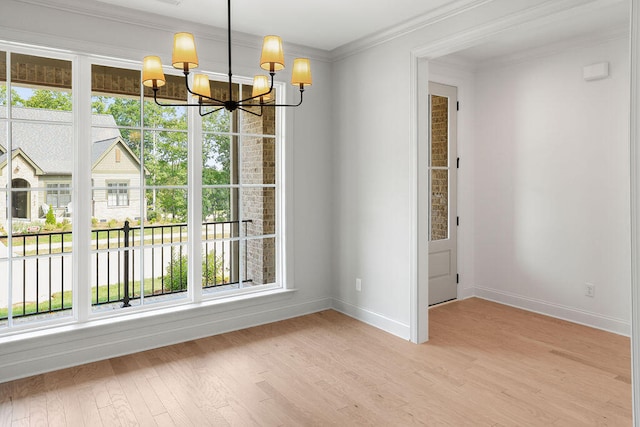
(51, 217)
(213, 270)
(175, 278)
(152, 216)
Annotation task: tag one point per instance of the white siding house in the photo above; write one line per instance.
(42, 164)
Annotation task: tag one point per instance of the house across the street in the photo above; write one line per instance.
(42, 158)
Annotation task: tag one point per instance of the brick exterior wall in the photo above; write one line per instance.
(259, 204)
(439, 158)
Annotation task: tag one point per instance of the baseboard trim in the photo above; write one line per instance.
(70, 348)
(372, 318)
(570, 314)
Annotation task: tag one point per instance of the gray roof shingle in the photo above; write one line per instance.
(48, 138)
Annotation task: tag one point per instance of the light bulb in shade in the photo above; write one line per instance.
(152, 74)
(301, 73)
(261, 87)
(184, 51)
(272, 58)
(201, 85)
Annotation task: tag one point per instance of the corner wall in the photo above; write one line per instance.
(551, 197)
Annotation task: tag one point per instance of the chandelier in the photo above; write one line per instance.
(186, 59)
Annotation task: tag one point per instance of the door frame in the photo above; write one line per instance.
(419, 74)
(451, 92)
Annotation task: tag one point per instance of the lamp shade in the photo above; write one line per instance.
(152, 74)
(301, 73)
(262, 87)
(184, 51)
(272, 58)
(201, 85)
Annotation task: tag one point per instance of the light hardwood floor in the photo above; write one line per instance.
(485, 365)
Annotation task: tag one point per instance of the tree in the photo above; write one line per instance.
(47, 99)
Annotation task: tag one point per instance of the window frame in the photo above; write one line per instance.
(117, 187)
(59, 188)
(81, 188)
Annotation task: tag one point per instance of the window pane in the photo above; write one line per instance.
(219, 204)
(115, 94)
(4, 283)
(439, 131)
(3, 84)
(258, 211)
(157, 117)
(170, 205)
(165, 157)
(39, 86)
(261, 264)
(439, 204)
(220, 121)
(258, 160)
(218, 159)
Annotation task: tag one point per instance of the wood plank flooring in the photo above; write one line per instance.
(485, 365)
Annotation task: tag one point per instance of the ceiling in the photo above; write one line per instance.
(323, 24)
(330, 24)
(593, 21)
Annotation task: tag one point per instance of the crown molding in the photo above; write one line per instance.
(553, 49)
(153, 21)
(444, 12)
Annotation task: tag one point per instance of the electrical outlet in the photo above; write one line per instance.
(589, 290)
(358, 285)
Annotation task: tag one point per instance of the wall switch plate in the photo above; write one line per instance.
(358, 285)
(589, 290)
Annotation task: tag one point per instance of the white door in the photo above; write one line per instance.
(443, 164)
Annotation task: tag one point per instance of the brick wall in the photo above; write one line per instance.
(259, 204)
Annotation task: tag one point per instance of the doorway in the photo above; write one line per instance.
(20, 199)
(443, 277)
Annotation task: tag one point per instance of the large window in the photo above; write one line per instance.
(146, 246)
(36, 147)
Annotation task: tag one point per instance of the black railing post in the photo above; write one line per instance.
(125, 300)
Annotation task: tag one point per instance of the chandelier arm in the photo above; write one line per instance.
(251, 112)
(155, 98)
(206, 113)
(186, 84)
(287, 105)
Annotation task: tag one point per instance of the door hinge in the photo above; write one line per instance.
(457, 105)
(458, 163)
(457, 220)
(457, 278)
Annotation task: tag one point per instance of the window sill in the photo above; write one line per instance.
(159, 315)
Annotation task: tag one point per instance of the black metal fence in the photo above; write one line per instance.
(41, 264)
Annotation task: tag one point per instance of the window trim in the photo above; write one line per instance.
(118, 187)
(81, 188)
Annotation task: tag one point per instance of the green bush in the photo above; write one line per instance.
(213, 270)
(176, 272)
(175, 278)
(51, 217)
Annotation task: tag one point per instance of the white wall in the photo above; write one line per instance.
(374, 158)
(552, 185)
(115, 33)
